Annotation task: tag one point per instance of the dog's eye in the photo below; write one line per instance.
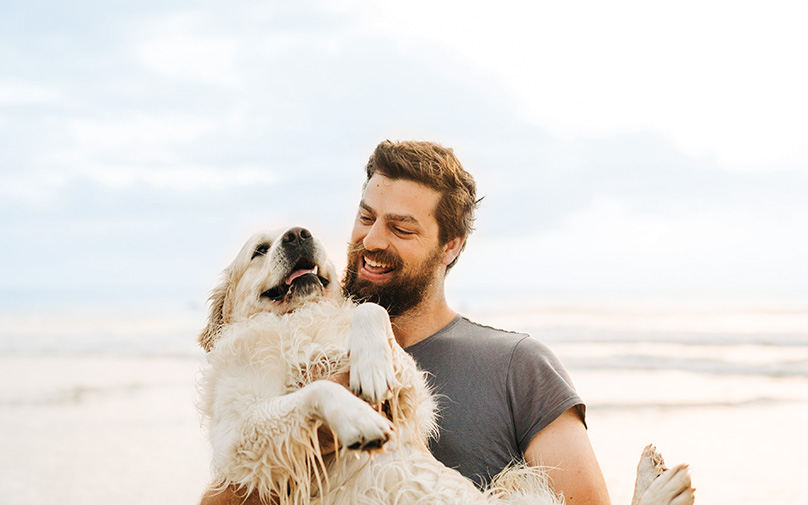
(260, 250)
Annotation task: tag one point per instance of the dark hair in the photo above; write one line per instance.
(438, 168)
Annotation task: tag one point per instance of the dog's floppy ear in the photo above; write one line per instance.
(210, 334)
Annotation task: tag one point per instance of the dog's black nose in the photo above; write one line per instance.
(295, 237)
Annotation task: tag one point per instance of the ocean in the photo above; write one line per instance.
(99, 407)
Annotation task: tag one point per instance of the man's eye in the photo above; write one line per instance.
(365, 219)
(404, 232)
(260, 250)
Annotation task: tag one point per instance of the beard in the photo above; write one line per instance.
(406, 288)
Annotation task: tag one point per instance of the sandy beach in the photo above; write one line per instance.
(125, 431)
(745, 451)
(93, 430)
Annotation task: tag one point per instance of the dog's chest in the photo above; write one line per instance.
(311, 361)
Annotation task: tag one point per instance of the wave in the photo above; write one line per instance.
(749, 402)
(168, 345)
(76, 394)
(589, 335)
(645, 363)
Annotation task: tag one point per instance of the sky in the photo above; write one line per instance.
(624, 150)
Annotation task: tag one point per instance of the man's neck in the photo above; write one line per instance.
(421, 322)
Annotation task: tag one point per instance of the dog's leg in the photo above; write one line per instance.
(372, 375)
(269, 444)
(656, 485)
(276, 451)
(355, 423)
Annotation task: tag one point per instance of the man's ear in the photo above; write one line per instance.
(452, 249)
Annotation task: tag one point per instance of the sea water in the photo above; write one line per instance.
(99, 407)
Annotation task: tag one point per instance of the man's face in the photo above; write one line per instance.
(395, 257)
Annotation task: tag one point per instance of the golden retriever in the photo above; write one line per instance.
(278, 332)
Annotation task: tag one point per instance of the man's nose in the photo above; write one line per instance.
(376, 239)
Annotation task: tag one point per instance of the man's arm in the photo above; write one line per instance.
(564, 447)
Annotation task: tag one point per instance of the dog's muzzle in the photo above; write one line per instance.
(303, 278)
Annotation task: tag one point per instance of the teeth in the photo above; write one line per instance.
(369, 262)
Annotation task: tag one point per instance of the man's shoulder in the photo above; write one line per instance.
(465, 321)
(464, 335)
(489, 335)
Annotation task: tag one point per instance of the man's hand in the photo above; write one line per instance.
(229, 496)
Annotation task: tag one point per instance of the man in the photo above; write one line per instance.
(503, 395)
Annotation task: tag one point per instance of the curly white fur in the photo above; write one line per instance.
(264, 396)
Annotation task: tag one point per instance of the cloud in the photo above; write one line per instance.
(181, 46)
(20, 93)
(139, 130)
(44, 188)
(607, 250)
(717, 80)
(152, 148)
(149, 157)
(539, 180)
(629, 214)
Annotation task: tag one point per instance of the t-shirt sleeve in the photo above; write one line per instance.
(539, 390)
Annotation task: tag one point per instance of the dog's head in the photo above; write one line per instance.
(275, 271)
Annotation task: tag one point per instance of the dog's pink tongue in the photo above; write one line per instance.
(297, 274)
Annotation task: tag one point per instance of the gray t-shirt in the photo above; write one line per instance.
(496, 389)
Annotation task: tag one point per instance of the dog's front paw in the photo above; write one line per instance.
(357, 425)
(372, 380)
(650, 467)
(656, 485)
(372, 375)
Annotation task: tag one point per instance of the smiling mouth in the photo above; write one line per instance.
(305, 272)
(377, 267)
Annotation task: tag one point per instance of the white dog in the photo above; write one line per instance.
(278, 330)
